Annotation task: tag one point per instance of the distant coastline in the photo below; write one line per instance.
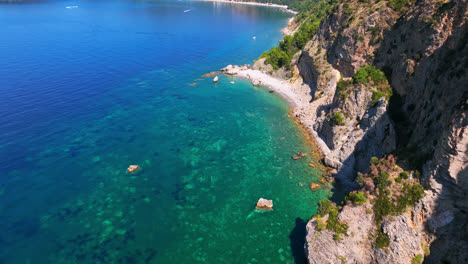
(283, 7)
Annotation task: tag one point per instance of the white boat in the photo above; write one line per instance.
(70, 7)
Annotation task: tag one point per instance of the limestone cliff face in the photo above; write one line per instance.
(367, 130)
(423, 51)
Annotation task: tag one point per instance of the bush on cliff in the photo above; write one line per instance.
(382, 240)
(366, 72)
(417, 260)
(338, 119)
(357, 198)
(379, 80)
(312, 13)
(326, 207)
(277, 58)
(398, 5)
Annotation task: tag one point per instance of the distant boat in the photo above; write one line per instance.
(70, 7)
(254, 38)
(188, 10)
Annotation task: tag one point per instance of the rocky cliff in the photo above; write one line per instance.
(421, 47)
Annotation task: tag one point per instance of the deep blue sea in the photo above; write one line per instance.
(87, 91)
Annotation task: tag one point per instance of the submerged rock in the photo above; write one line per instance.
(211, 74)
(322, 180)
(133, 168)
(314, 186)
(300, 155)
(264, 204)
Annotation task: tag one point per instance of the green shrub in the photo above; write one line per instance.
(338, 119)
(343, 259)
(374, 161)
(357, 198)
(427, 251)
(347, 10)
(417, 174)
(404, 175)
(374, 31)
(383, 181)
(417, 260)
(311, 13)
(413, 193)
(398, 179)
(382, 91)
(320, 223)
(277, 58)
(382, 240)
(363, 74)
(397, 5)
(382, 207)
(325, 206)
(334, 225)
(337, 237)
(360, 179)
(343, 88)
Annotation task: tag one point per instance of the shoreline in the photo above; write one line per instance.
(283, 7)
(296, 95)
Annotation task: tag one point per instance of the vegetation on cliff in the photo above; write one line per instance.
(312, 13)
(333, 224)
(393, 191)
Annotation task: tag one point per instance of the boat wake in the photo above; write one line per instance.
(188, 10)
(70, 7)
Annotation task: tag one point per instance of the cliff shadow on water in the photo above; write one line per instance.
(297, 241)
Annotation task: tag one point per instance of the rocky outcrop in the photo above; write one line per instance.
(264, 204)
(234, 70)
(133, 168)
(353, 248)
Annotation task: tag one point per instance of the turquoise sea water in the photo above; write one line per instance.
(87, 91)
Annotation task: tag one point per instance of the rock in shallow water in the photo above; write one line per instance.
(264, 204)
(322, 180)
(133, 168)
(314, 186)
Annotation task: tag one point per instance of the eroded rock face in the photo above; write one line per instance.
(446, 202)
(423, 50)
(322, 248)
(406, 240)
(367, 130)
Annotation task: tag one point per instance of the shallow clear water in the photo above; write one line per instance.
(87, 91)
